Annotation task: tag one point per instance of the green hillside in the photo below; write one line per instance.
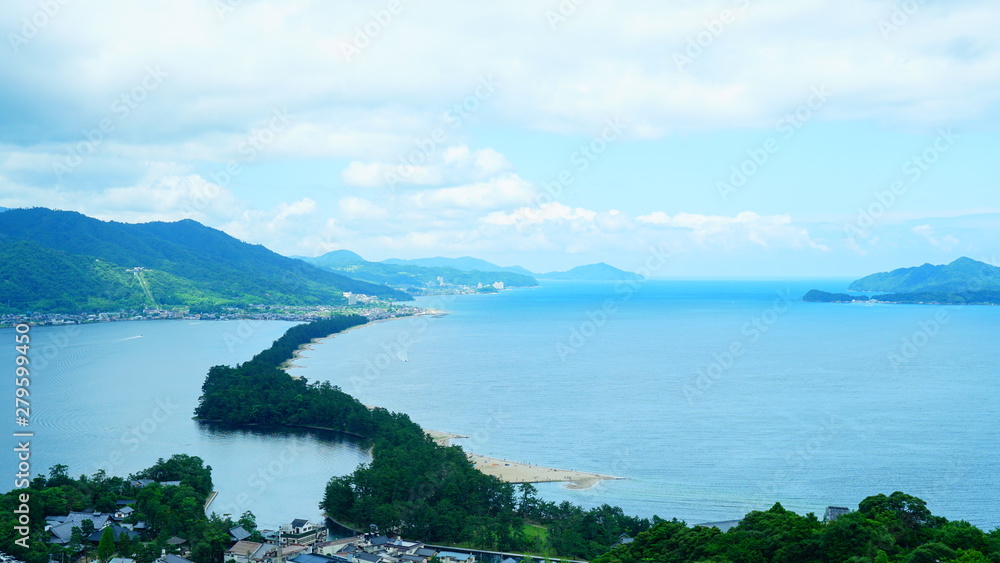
(962, 275)
(57, 261)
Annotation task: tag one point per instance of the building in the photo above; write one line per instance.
(61, 527)
(834, 512)
(456, 557)
(302, 532)
(723, 526)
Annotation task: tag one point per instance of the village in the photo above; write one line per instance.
(357, 304)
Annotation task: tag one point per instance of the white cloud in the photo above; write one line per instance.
(354, 208)
(502, 191)
(946, 243)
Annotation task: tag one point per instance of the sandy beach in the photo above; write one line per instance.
(505, 470)
(515, 472)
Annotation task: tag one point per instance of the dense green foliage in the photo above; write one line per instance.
(410, 275)
(989, 297)
(259, 392)
(187, 264)
(961, 276)
(435, 493)
(429, 491)
(168, 511)
(35, 278)
(897, 527)
(817, 296)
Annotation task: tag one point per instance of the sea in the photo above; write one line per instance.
(709, 398)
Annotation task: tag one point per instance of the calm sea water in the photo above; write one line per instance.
(118, 396)
(821, 404)
(711, 398)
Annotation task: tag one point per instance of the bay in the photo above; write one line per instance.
(711, 398)
(821, 404)
(118, 396)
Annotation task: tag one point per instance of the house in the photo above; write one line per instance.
(123, 512)
(61, 527)
(176, 541)
(723, 526)
(317, 558)
(329, 548)
(140, 483)
(242, 551)
(121, 560)
(363, 557)
(455, 557)
(834, 512)
(239, 533)
(254, 552)
(301, 532)
(292, 550)
(426, 552)
(399, 548)
(171, 558)
(117, 530)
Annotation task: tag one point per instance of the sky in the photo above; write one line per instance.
(719, 138)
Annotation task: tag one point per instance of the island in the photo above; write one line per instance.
(962, 282)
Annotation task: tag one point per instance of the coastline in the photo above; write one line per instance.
(290, 364)
(517, 472)
(503, 469)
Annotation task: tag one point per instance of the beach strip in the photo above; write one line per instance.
(516, 472)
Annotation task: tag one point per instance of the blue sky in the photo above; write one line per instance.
(740, 137)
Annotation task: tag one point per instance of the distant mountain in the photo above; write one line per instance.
(404, 273)
(2, 209)
(336, 258)
(79, 263)
(962, 275)
(964, 281)
(465, 264)
(592, 272)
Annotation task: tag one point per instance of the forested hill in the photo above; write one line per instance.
(961, 276)
(884, 529)
(191, 263)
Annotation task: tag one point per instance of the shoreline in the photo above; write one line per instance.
(518, 472)
(503, 469)
(290, 363)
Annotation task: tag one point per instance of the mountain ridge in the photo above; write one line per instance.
(195, 264)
